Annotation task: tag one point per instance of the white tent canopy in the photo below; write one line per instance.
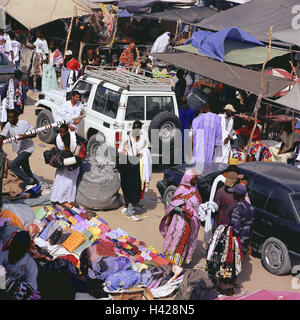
(34, 13)
(292, 98)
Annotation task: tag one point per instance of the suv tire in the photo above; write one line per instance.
(168, 195)
(275, 257)
(45, 118)
(165, 122)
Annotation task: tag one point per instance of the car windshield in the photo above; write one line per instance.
(3, 60)
(296, 201)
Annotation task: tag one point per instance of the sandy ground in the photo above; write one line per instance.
(253, 276)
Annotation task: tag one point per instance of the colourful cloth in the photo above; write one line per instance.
(181, 231)
(127, 56)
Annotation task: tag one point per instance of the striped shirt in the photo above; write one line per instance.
(226, 204)
(241, 222)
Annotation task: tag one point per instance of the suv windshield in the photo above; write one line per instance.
(296, 201)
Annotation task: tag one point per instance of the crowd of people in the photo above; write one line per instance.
(212, 121)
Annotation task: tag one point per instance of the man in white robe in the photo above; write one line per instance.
(70, 110)
(222, 152)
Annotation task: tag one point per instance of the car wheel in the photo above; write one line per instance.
(167, 125)
(168, 195)
(97, 148)
(45, 118)
(275, 257)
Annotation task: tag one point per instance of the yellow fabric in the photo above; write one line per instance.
(72, 220)
(96, 232)
(74, 241)
(14, 220)
(96, 221)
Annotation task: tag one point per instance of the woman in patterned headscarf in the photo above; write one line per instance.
(127, 56)
(181, 223)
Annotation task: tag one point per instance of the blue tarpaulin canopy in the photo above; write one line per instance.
(213, 44)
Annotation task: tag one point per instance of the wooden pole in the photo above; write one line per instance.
(70, 30)
(261, 91)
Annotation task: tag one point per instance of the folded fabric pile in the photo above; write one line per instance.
(101, 253)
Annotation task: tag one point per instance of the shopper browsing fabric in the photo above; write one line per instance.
(65, 182)
(24, 147)
(181, 223)
(242, 216)
(225, 200)
(131, 147)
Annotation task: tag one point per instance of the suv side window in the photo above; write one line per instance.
(99, 100)
(106, 101)
(156, 105)
(135, 108)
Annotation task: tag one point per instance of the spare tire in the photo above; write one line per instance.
(44, 118)
(165, 125)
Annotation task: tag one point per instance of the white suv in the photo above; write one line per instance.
(113, 101)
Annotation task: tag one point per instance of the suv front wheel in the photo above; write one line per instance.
(45, 118)
(275, 257)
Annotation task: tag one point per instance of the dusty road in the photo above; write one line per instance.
(253, 276)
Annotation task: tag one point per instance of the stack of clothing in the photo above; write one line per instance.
(101, 253)
(224, 256)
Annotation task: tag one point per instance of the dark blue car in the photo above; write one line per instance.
(274, 191)
(7, 70)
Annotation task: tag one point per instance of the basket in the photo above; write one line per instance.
(134, 293)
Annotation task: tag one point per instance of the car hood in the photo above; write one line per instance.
(203, 169)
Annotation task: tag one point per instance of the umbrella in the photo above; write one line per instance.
(266, 295)
(283, 74)
(34, 13)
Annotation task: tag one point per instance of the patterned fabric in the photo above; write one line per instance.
(207, 133)
(241, 222)
(226, 204)
(181, 230)
(127, 56)
(225, 257)
(37, 64)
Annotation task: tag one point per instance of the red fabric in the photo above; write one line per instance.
(246, 131)
(70, 258)
(127, 56)
(82, 152)
(73, 64)
(106, 248)
(229, 258)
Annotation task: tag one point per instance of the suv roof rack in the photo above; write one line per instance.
(129, 80)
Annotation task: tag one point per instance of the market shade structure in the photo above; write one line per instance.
(289, 35)
(34, 13)
(240, 53)
(231, 75)
(254, 17)
(190, 15)
(291, 99)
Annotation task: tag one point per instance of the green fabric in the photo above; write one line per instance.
(240, 53)
(40, 213)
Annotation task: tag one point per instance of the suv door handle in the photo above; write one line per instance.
(107, 125)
